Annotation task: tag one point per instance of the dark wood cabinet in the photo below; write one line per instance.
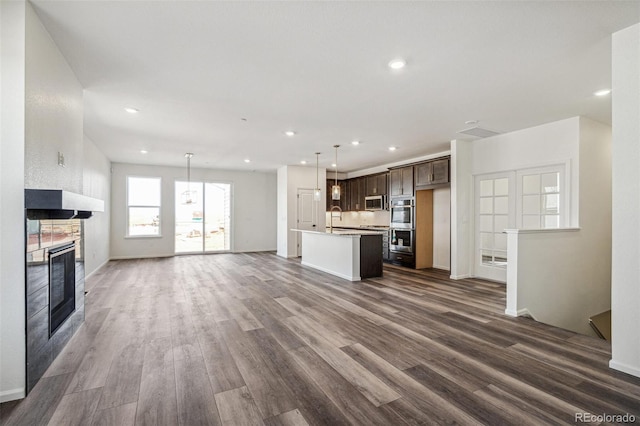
(440, 171)
(432, 173)
(401, 182)
(356, 190)
(370, 256)
(376, 184)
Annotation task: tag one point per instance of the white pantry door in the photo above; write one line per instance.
(307, 218)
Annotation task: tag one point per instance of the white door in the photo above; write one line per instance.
(307, 218)
(495, 212)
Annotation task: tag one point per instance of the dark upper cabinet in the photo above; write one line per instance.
(432, 173)
(376, 184)
(440, 171)
(356, 191)
(401, 182)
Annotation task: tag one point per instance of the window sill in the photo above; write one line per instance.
(134, 237)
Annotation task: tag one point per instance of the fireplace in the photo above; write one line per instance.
(55, 290)
(62, 285)
(54, 273)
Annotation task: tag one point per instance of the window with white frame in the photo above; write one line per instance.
(542, 200)
(143, 206)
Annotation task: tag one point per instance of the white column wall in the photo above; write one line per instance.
(96, 176)
(625, 285)
(442, 228)
(461, 209)
(12, 249)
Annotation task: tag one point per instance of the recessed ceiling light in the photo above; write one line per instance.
(392, 148)
(471, 122)
(143, 151)
(603, 92)
(397, 64)
(355, 142)
(334, 165)
(290, 133)
(303, 162)
(131, 110)
(246, 160)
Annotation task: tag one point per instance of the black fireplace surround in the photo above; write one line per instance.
(54, 273)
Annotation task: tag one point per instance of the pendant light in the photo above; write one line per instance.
(189, 196)
(317, 193)
(335, 189)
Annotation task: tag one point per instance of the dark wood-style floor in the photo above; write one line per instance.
(250, 339)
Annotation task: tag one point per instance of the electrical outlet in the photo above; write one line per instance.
(60, 159)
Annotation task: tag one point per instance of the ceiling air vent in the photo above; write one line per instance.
(478, 132)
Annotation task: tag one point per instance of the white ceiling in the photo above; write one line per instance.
(195, 69)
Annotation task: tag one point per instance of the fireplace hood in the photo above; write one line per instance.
(58, 204)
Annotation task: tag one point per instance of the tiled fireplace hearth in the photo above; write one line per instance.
(55, 290)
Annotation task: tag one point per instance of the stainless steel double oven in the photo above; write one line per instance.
(402, 229)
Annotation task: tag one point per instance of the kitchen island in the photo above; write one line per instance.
(350, 254)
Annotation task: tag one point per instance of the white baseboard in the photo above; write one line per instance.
(97, 269)
(634, 371)
(459, 277)
(443, 267)
(150, 256)
(518, 313)
(12, 395)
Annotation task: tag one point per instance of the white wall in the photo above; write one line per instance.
(442, 228)
(290, 179)
(253, 210)
(96, 176)
(547, 144)
(551, 278)
(282, 213)
(461, 209)
(12, 279)
(54, 114)
(626, 202)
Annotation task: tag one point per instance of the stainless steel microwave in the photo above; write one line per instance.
(375, 202)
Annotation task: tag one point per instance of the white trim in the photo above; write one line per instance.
(459, 277)
(634, 371)
(97, 269)
(442, 268)
(329, 271)
(148, 256)
(142, 236)
(540, 231)
(519, 313)
(253, 251)
(12, 394)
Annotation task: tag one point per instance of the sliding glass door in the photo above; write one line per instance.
(203, 217)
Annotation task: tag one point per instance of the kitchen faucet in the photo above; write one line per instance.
(331, 217)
